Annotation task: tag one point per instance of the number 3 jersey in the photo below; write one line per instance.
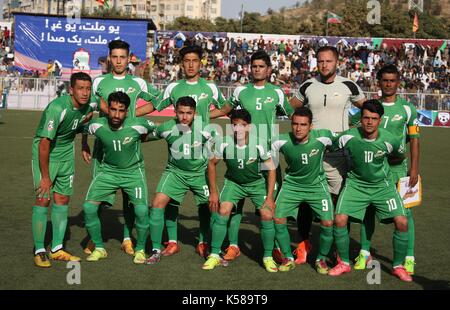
(121, 147)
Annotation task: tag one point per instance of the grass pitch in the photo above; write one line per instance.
(183, 271)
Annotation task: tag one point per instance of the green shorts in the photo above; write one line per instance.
(397, 174)
(175, 185)
(233, 192)
(292, 195)
(104, 186)
(355, 199)
(61, 175)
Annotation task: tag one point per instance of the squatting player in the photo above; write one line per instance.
(53, 166)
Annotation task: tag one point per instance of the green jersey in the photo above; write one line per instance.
(135, 87)
(202, 91)
(369, 157)
(262, 102)
(189, 148)
(243, 162)
(121, 147)
(305, 160)
(60, 122)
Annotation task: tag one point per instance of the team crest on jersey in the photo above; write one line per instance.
(444, 117)
(269, 100)
(250, 160)
(130, 90)
(150, 123)
(396, 117)
(314, 152)
(127, 140)
(379, 154)
(203, 96)
(50, 125)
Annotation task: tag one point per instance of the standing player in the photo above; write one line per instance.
(186, 170)
(370, 182)
(262, 100)
(136, 88)
(305, 181)
(53, 166)
(329, 96)
(204, 93)
(243, 156)
(400, 118)
(122, 168)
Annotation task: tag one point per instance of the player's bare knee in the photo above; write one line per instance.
(341, 220)
(224, 212)
(266, 215)
(326, 223)
(42, 202)
(61, 199)
(401, 223)
(280, 221)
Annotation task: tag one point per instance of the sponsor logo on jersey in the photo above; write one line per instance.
(50, 125)
(251, 160)
(269, 100)
(203, 96)
(150, 123)
(127, 140)
(396, 117)
(379, 154)
(401, 149)
(314, 152)
(130, 90)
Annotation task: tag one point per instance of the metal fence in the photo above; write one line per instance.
(36, 93)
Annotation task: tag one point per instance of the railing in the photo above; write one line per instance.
(36, 93)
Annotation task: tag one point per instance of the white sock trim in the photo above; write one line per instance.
(215, 256)
(124, 239)
(41, 250)
(57, 248)
(410, 257)
(173, 241)
(157, 250)
(365, 253)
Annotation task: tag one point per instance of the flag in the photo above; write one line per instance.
(443, 47)
(333, 18)
(103, 3)
(416, 23)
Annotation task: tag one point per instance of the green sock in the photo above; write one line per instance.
(342, 243)
(283, 238)
(235, 223)
(326, 241)
(400, 244)
(367, 229)
(142, 224)
(39, 226)
(268, 237)
(59, 224)
(156, 227)
(93, 224)
(128, 216)
(411, 232)
(204, 216)
(219, 231)
(171, 218)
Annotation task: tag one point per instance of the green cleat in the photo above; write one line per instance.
(409, 265)
(98, 254)
(321, 266)
(288, 264)
(270, 264)
(362, 261)
(139, 257)
(211, 263)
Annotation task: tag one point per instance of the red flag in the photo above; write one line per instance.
(416, 23)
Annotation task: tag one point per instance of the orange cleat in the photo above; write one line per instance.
(301, 252)
(170, 249)
(202, 249)
(231, 253)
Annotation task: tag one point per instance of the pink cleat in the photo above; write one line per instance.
(339, 269)
(401, 273)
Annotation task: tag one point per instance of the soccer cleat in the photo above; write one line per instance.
(321, 266)
(288, 264)
(270, 264)
(301, 252)
(362, 261)
(64, 256)
(139, 257)
(339, 269)
(277, 255)
(90, 247)
(401, 273)
(409, 266)
(171, 249)
(41, 260)
(154, 258)
(127, 247)
(232, 252)
(97, 255)
(202, 250)
(211, 263)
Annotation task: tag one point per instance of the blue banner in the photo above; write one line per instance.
(41, 40)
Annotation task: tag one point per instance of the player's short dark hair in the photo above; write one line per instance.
(119, 96)
(328, 48)
(374, 106)
(261, 55)
(186, 101)
(389, 69)
(119, 44)
(303, 111)
(191, 49)
(81, 76)
(242, 114)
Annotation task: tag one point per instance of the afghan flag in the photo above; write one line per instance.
(333, 18)
(103, 3)
(416, 23)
